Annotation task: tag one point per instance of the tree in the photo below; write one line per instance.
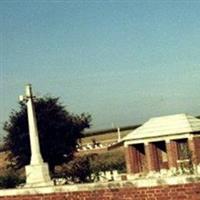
(58, 132)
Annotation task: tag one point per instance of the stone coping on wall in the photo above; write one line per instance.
(139, 183)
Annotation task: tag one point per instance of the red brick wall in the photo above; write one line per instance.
(172, 153)
(194, 146)
(129, 159)
(132, 159)
(135, 159)
(176, 192)
(197, 145)
(152, 159)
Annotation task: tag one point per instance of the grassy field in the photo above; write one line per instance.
(104, 138)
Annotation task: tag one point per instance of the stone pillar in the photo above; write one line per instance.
(129, 159)
(135, 160)
(151, 157)
(194, 147)
(172, 154)
(36, 157)
(118, 135)
(37, 173)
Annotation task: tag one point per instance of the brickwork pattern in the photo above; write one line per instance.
(194, 146)
(135, 159)
(172, 153)
(132, 160)
(127, 159)
(152, 159)
(176, 192)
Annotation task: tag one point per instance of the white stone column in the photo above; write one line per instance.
(118, 135)
(37, 173)
(36, 157)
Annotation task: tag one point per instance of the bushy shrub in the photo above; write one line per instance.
(10, 180)
(78, 170)
(86, 168)
(108, 161)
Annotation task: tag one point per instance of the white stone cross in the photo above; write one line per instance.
(37, 173)
(36, 157)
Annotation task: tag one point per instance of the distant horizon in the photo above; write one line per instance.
(90, 131)
(123, 62)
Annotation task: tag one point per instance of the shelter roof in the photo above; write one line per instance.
(164, 126)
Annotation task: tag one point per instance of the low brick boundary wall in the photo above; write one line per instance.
(123, 190)
(178, 192)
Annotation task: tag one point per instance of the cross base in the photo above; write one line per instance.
(37, 175)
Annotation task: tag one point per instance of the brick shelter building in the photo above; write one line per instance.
(164, 144)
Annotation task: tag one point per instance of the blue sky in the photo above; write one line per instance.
(121, 61)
